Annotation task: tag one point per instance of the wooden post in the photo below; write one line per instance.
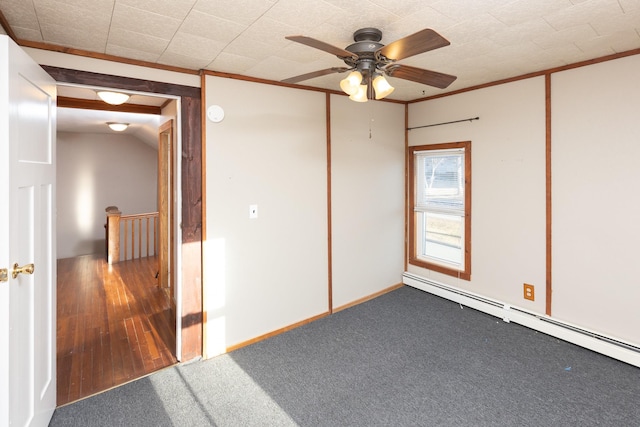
(113, 234)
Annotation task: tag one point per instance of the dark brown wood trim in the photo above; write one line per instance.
(191, 332)
(276, 332)
(65, 75)
(413, 258)
(329, 217)
(531, 75)
(547, 87)
(369, 297)
(104, 56)
(92, 104)
(7, 28)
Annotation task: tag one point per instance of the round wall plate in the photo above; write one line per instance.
(215, 113)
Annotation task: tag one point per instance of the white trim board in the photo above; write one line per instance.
(609, 346)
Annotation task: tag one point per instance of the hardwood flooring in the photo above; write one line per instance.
(113, 325)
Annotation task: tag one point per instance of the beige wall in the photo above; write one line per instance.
(596, 203)
(95, 171)
(595, 144)
(271, 272)
(267, 273)
(367, 189)
(508, 184)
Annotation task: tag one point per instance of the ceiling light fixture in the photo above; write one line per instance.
(113, 98)
(118, 127)
(357, 85)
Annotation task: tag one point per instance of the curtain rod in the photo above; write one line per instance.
(445, 123)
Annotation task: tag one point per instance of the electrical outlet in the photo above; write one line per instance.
(529, 292)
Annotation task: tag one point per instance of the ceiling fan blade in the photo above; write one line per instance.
(339, 52)
(420, 75)
(422, 41)
(313, 74)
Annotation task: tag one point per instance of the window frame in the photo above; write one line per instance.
(414, 259)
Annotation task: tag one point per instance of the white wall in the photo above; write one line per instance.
(596, 203)
(367, 189)
(508, 219)
(267, 273)
(95, 171)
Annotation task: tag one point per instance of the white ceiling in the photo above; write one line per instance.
(142, 126)
(490, 39)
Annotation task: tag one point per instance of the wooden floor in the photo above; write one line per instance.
(113, 325)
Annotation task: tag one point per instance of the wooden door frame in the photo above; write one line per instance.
(166, 214)
(191, 175)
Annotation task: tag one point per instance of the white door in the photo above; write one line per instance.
(27, 237)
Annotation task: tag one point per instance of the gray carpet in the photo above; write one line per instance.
(407, 358)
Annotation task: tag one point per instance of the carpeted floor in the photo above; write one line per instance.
(407, 358)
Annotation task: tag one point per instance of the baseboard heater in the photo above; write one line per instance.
(612, 347)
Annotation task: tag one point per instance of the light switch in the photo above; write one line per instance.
(253, 211)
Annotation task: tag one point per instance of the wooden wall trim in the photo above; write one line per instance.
(531, 75)
(7, 28)
(191, 189)
(369, 297)
(106, 57)
(406, 187)
(289, 85)
(276, 332)
(329, 217)
(547, 96)
(203, 143)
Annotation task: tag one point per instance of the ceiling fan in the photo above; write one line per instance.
(369, 61)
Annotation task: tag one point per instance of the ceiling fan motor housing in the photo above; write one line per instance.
(367, 42)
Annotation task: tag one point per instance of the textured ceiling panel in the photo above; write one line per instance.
(137, 41)
(211, 27)
(244, 12)
(144, 22)
(490, 39)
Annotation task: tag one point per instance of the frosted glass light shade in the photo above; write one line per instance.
(351, 83)
(113, 98)
(360, 95)
(382, 87)
(118, 127)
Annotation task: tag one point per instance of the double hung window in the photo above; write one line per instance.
(440, 203)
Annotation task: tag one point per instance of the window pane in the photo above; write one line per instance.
(443, 236)
(443, 184)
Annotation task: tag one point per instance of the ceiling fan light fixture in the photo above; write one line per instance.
(382, 87)
(113, 98)
(351, 84)
(360, 95)
(117, 127)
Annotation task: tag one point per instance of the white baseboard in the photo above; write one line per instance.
(601, 343)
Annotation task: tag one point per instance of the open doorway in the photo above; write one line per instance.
(116, 321)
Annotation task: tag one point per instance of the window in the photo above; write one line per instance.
(440, 208)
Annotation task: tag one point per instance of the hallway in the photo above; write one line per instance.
(113, 325)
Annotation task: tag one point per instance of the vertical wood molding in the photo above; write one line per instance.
(547, 96)
(191, 189)
(406, 187)
(329, 226)
(203, 119)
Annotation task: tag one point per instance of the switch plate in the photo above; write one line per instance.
(253, 211)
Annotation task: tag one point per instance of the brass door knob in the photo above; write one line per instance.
(25, 269)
